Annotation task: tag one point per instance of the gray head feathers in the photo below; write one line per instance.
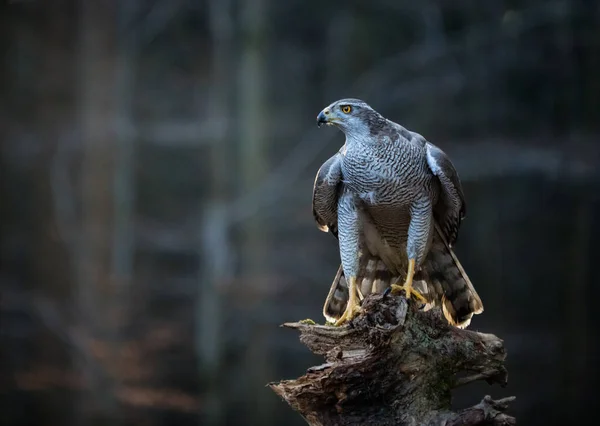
(353, 117)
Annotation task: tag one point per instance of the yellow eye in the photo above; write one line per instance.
(346, 109)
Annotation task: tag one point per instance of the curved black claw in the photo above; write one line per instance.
(386, 292)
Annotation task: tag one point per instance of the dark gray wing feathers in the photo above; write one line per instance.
(326, 190)
(451, 208)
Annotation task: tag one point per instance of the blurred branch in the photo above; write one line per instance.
(394, 365)
(182, 134)
(152, 236)
(510, 158)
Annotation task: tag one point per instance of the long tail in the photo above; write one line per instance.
(373, 277)
(448, 284)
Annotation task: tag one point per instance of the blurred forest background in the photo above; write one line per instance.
(156, 170)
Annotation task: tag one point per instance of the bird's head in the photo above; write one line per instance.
(351, 116)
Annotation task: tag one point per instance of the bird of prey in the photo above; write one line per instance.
(395, 203)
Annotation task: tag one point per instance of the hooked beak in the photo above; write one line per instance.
(323, 117)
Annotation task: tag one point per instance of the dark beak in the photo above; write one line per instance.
(321, 118)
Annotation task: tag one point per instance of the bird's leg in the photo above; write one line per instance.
(349, 228)
(419, 237)
(353, 306)
(407, 286)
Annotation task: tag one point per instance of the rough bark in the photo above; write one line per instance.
(395, 365)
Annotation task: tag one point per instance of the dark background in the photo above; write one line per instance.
(156, 170)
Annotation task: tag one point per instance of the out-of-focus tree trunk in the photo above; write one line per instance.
(215, 251)
(123, 180)
(52, 117)
(253, 143)
(123, 244)
(96, 289)
(253, 118)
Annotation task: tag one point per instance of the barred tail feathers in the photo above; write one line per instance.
(373, 277)
(337, 297)
(458, 298)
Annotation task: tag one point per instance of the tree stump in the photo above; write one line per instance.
(395, 365)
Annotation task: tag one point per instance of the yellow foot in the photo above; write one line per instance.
(353, 305)
(409, 291)
(348, 315)
(307, 321)
(407, 287)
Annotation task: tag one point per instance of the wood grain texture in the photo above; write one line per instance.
(395, 365)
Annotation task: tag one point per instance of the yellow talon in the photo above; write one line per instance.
(353, 306)
(407, 287)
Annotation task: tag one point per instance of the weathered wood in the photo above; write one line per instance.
(395, 365)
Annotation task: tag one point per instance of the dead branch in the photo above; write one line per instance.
(395, 365)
